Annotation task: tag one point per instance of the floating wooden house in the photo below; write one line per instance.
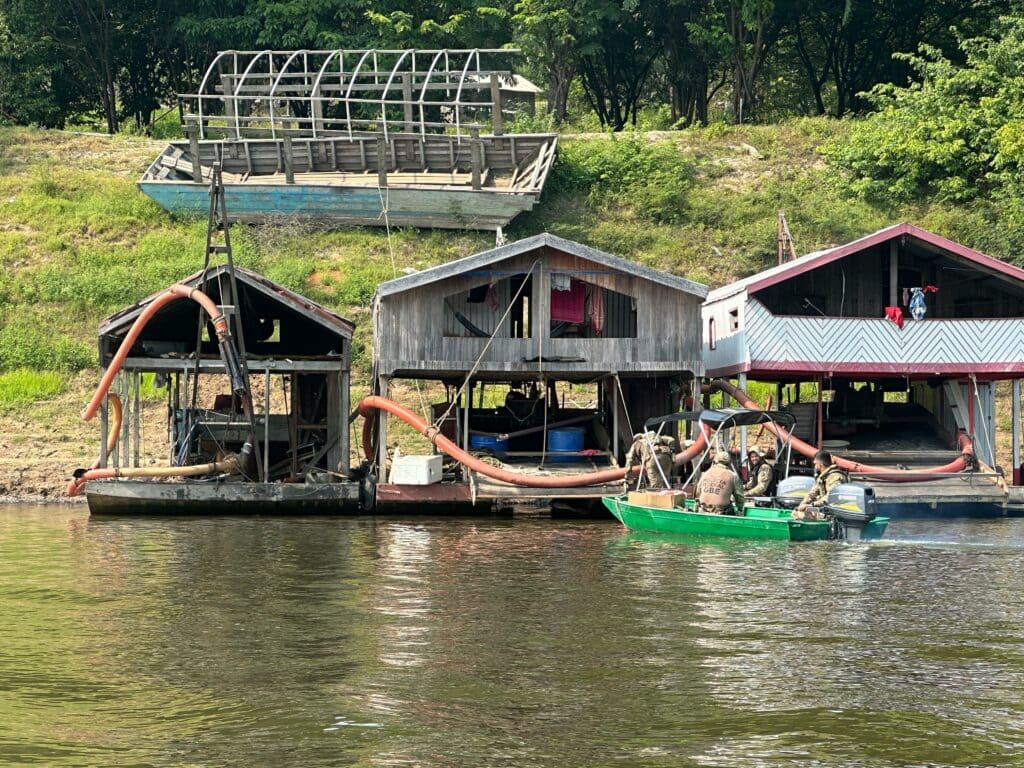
(552, 354)
(894, 389)
(297, 355)
(367, 137)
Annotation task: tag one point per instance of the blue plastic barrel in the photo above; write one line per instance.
(565, 439)
(496, 444)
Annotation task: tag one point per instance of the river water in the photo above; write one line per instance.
(485, 642)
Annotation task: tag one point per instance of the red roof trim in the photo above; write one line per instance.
(990, 370)
(883, 236)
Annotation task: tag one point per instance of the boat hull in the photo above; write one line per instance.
(756, 523)
(355, 205)
(150, 497)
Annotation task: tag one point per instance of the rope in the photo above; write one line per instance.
(476, 365)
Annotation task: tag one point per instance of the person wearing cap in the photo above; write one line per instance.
(719, 487)
(829, 476)
(761, 475)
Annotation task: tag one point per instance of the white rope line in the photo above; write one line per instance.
(465, 383)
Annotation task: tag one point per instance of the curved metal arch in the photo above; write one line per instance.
(348, 92)
(426, 82)
(241, 81)
(276, 81)
(458, 93)
(387, 87)
(202, 86)
(340, 53)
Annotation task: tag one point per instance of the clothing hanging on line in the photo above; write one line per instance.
(896, 315)
(561, 281)
(567, 306)
(595, 308)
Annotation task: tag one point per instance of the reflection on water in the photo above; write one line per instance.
(434, 642)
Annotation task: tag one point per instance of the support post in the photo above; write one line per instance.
(612, 385)
(475, 156)
(382, 432)
(894, 273)
(266, 425)
(289, 158)
(742, 384)
(496, 118)
(1015, 417)
(382, 163)
(407, 100)
(192, 131)
(136, 426)
(820, 414)
(468, 394)
(104, 432)
(346, 448)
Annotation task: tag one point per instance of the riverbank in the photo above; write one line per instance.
(78, 241)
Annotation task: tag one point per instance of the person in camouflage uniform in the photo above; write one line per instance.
(761, 475)
(829, 476)
(655, 454)
(720, 487)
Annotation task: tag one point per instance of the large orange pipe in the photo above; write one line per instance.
(370, 405)
(177, 291)
(959, 464)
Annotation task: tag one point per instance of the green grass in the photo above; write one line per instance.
(78, 240)
(23, 386)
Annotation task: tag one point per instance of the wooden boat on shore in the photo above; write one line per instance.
(848, 513)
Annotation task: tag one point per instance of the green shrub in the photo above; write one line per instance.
(24, 386)
(956, 135)
(27, 343)
(652, 180)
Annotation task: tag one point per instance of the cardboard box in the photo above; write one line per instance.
(660, 499)
(416, 470)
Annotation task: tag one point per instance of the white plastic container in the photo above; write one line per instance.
(416, 470)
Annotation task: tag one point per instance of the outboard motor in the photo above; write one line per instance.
(791, 491)
(850, 507)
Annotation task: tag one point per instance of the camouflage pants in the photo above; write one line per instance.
(651, 473)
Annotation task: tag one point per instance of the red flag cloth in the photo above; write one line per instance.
(567, 306)
(595, 309)
(896, 315)
(929, 289)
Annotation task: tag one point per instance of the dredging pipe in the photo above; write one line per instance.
(370, 405)
(959, 464)
(228, 355)
(117, 414)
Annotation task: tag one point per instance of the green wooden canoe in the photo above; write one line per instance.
(754, 523)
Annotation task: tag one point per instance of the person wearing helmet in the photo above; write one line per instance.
(719, 487)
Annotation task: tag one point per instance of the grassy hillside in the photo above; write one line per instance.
(78, 241)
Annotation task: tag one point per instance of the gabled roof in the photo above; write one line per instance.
(307, 308)
(817, 259)
(494, 255)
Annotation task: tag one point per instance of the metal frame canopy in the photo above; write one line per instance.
(255, 94)
(727, 418)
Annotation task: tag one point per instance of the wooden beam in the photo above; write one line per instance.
(476, 157)
(496, 118)
(289, 159)
(1015, 459)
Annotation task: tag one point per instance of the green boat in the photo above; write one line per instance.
(754, 523)
(849, 511)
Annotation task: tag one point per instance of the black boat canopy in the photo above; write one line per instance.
(727, 417)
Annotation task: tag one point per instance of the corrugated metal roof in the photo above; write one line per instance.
(494, 255)
(817, 259)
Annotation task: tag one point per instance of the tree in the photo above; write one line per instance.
(549, 32)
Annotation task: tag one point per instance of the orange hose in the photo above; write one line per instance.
(368, 407)
(117, 411)
(886, 473)
(177, 291)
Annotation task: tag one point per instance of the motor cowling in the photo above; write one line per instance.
(851, 506)
(791, 490)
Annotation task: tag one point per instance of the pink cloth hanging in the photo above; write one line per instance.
(567, 306)
(595, 309)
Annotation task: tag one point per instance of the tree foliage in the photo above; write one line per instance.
(694, 60)
(957, 134)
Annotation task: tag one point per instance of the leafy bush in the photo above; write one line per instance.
(653, 180)
(23, 386)
(25, 343)
(957, 135)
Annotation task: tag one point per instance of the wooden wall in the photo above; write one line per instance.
(409, 327)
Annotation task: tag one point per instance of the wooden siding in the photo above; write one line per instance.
(770, 343)
(409, 326)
